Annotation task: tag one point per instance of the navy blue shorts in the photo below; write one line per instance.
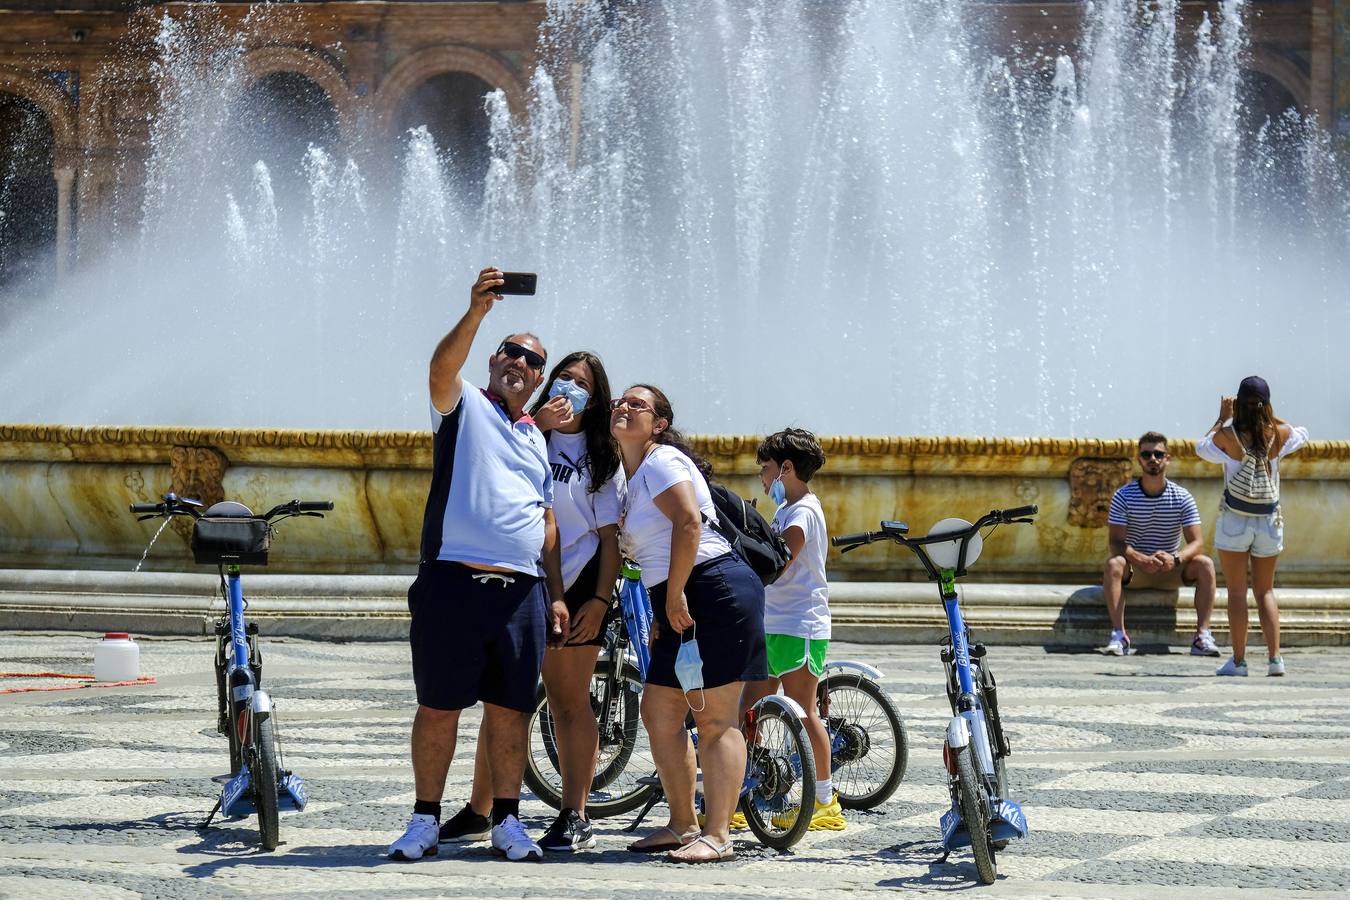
(475, 636)
(581, 592)
(726, 601)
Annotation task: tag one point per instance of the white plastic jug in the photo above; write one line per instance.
(116, 658)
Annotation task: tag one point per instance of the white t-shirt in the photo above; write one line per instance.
(580, 514)
(1206, 449)
(646, 529)
(797, 604)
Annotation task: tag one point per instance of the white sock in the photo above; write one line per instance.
(824, 791)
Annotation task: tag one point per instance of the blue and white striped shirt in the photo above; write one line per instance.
(1153, 523)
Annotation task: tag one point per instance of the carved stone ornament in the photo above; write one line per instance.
(197, 473)
(1091, 484)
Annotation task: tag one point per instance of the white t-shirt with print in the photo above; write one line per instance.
(646, 529)
(579, 513)
(797, 604)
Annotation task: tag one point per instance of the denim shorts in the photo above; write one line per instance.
(1260, 536)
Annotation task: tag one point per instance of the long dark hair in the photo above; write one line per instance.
(1254, 418)
(602, 452)
(670, 436)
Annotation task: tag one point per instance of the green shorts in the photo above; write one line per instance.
(788, 654)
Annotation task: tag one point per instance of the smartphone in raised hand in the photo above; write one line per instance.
(518, 283)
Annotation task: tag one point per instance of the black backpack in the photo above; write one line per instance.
(748, 533)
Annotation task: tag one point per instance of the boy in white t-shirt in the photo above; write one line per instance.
(796, 605)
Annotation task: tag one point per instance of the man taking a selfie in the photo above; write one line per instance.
(1148, 521)
(481, 613)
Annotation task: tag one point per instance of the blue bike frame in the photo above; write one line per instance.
(236, 800)
(968, 728)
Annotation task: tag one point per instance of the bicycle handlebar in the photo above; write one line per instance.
(862, 537)
(173, 505)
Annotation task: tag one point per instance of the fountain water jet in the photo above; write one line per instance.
(860, 222)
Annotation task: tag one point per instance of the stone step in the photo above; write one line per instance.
(374, 607)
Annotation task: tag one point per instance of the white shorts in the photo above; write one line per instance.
(1260, 536)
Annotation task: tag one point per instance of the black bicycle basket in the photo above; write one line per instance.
(231, 541)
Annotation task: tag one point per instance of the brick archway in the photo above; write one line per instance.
(404, 78)
(273, 60)
(58, 109)
(1284, 72)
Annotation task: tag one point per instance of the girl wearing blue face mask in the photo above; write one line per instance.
(573, 413)
(708, 608)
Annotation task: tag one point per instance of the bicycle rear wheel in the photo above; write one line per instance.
(624, 755)
(872, 746)
(782, 772)
(265, 780)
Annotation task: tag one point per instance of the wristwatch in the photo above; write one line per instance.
(1176, 559)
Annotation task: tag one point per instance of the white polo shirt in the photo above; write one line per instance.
(490, 485)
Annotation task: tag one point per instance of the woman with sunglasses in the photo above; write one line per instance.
(708, 630)
(1250, 527)
(574, 416)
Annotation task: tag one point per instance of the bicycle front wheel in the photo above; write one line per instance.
(265, 780)
(624, 755)
(781, 771)
(974, 810)
(871, 746)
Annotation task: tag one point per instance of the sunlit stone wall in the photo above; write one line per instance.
(67, 491)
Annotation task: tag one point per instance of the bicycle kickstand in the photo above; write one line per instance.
(655, 798)
(207, 824)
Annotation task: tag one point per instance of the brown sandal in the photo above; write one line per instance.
(724, 852)
(680, 840)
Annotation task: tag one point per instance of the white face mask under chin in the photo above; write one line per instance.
(689, 670)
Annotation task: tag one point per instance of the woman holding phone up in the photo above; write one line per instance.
(574, 416)
(1250, 527)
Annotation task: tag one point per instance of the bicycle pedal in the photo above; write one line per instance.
(649, 780)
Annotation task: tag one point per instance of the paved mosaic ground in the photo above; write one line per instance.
(1140, 777)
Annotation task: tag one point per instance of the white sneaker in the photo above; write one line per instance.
(509, 839)
(419, 840)
(1275, 666)
(1204, 644)
(1232, 667)
(1118, 645)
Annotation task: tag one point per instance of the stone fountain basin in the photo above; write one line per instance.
(68, 543)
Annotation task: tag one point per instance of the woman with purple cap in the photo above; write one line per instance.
(1250, 527)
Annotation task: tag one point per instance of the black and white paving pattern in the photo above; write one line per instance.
(1141, 777)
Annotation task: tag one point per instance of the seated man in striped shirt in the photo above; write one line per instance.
(1154, 528)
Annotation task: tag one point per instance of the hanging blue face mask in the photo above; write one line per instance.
(689, 669)
(778, 493)
(574, 392)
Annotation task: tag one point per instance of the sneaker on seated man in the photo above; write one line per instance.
(1155, 540)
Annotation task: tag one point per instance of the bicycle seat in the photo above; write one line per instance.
(229, 509)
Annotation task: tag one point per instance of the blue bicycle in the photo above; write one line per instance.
(981, 815)
(229, 535)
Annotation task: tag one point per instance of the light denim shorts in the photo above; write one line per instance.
(1257, 535)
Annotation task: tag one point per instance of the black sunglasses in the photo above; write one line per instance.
(1152, 454)
(515, 351)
